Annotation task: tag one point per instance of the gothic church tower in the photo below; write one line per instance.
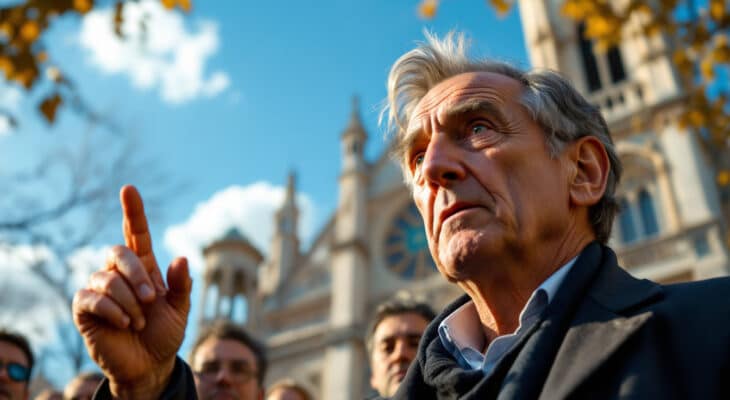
(345, 355)
(670, 227)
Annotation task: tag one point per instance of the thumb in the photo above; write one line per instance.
(179, 285)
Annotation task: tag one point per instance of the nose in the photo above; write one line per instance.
(442, 162)
(224, 376)
(402, 352)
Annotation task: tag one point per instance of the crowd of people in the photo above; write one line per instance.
(228, 363)
(514, 173)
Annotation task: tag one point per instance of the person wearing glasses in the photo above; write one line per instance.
(228, 363)
(16, 364)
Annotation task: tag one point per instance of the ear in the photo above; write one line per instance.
(590, 173)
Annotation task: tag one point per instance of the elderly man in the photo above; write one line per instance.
(392, 342)
(228, 364)
(16, 364)
(514, 175)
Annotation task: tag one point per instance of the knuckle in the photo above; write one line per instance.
(107, 283)
(96, 304)
(77, 300)
(117, 252)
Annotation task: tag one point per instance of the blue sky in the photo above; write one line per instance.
(272, 94)
(291, 70)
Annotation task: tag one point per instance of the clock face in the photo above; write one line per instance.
(406, 248)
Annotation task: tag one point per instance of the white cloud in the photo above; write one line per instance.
(167, 55)
(249, 208)
(27, 294)
(19, 257)
(84, 261)
(10, 97)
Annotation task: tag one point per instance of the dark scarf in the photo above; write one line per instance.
(522, 371)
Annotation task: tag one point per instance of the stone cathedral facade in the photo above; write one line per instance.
(311, 306)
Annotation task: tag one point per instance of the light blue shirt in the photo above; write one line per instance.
(461, 332)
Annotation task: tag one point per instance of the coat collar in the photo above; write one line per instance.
(602, 323)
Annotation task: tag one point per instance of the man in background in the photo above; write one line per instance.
(228, 363)
(392, 342)
(16, 365)
(288, 389)
(83, 386)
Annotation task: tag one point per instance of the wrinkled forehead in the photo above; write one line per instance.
(501, 90)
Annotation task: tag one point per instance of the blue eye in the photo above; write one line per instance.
(418, 160)
(479, 128)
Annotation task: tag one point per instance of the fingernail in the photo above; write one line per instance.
(125, 321)
(139, 324)
(145, 291)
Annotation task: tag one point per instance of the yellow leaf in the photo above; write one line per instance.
(6, 29)
(717, 9)
(169, 4)
(6, 66)
(644, 8)
(30, 31)
(598, 26)
(723, 178)
(25, 77)
(41, 56)
(707, 68)
(427, 8)
(696, 118)
(501, 6)
(186, 5)
(721, 54)
(83, 6)
(575, 9)
(49, 106)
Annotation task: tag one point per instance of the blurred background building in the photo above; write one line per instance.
(312, 305)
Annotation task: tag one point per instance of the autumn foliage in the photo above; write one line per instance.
(698, 37)
(25, 60)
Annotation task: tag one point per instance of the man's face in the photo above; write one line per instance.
(226, 369)
(395, 344)
(9, 388)
(80, 389)
(284, 393)
(483, 178)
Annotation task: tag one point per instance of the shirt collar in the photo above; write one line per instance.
(462, 328)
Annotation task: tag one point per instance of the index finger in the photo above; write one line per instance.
(136, 231)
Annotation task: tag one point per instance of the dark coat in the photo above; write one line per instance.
(181, 385)
(605, 335)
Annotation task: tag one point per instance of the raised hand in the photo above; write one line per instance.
(132, 323)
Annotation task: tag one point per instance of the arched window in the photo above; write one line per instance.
(211, 302)
(648, 214)
(602, 67)
(239, 313)
(626, 223)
